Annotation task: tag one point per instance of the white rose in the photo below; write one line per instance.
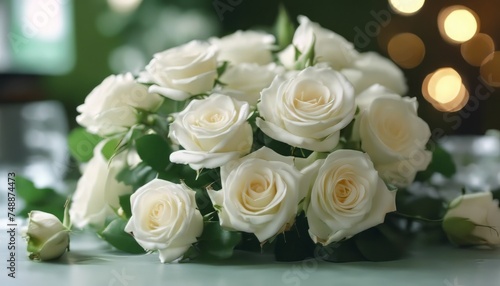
(98, 191)
(165, 218)
(392, 134)
(244, 82)
(371, 68)
(260, 193)
(347, 197)
(245, 47)
(329, 47)
(212, 131)
(308, 109)
(113, 105)
(47, 237)
(473, 219)
(181, 72)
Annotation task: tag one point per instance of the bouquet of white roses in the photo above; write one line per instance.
(236, 143)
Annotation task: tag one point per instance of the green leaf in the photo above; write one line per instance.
(419, 206)
(261, 139)
(125, 204)
(217, 242)
(375, 246)
(26, 190)
(222, 68)
(442, 162)
(168, 107)
(177, 173)
(295, 244)
(203, 202)
(284, 28)
(110, 147)
(344, 251)
(154, 151)
(82, 143)
(42, 199)
(249, 242)
(115, 235)
(308, 58)
(137, 176)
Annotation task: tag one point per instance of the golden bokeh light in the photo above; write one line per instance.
(406, 49)
(406, 7)
(490, 69)
(444, 90)
(477, 49)
(458, 24)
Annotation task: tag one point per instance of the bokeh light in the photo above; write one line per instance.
(406, 7)
(477, 49)
(458, 24)
(406, 49)
(444, 90)
(490, 69)
(124, 6)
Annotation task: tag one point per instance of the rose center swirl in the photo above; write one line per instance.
(345, 194)
(156, 214)
(259, 192)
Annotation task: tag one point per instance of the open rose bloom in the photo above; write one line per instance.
(233, 138)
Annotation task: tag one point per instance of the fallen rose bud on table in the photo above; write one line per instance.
(47, 237)
(473, 219)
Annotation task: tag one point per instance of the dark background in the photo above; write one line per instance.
(98, 32)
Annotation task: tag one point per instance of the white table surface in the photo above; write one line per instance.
(93, 262)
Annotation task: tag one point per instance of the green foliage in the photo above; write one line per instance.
(154, 151)
(82, 143)
(345, 251)
(125, 204)
(295, 244)
(137, 176)
(419, 206)
(306, 59)
(221, 69)
(283, 28)
(42, 199)
(261, 139)
(374, 244)
(203, 202)
(216, 242)
(115, 235)
(110, 147)
(442, 163)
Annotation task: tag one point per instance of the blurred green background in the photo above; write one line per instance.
(114, 36)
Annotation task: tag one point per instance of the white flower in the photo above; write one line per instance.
(329, 47)
(245, 47)
(112, 106)
(165, 218)
(307, 109)
(260, 193)
(244, 82)
(371, 68)
(98, 191)
(47, 237)
(473, 219)
(212, 131)
(181, 72)
(392, 134)
(347, 197)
